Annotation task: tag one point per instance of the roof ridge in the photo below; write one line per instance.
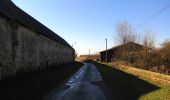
(121, 45)
(10, 10)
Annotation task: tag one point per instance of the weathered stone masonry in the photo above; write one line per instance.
(23, 49)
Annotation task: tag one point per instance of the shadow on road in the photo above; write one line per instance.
(123, 86)
(35, 85)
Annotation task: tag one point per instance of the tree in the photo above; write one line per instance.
(147, 54)
(165, 52)
(148, 40)
(143, 57)
(125, 33)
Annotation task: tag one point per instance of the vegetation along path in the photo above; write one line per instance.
(126, 86)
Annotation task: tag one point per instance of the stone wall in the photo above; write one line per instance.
(24, 50)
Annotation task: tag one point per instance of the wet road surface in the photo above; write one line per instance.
(85, 84)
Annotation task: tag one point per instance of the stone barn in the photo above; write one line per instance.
(27, 45)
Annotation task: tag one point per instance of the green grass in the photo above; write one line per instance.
(36, 85)
(161, 94)
(125, 86)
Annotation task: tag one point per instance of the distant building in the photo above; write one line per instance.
(27, 45)
(117, 51)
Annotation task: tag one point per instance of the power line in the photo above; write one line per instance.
(153, 16)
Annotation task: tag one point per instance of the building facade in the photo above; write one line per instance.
(120, 52)
(27, 45)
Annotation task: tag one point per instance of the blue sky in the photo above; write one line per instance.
(89, 22)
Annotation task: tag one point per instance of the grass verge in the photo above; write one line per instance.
(125, 86)
(35, 85)
(158, 79)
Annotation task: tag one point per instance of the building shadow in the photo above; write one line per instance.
(35, 85)
(124, 86)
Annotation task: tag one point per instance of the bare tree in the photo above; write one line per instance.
(125, 33)
(148, 53)
(149, 39)
(165, 52)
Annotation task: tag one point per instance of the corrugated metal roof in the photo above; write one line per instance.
(11, 11)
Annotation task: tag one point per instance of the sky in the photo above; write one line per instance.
(90, 22)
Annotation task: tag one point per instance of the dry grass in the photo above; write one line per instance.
(81, 58)
(149, 75)
(158, 79)
(117, 79)
(124, 86)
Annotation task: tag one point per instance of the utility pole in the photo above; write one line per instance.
(89, 52)
(89, 55)
(74, 54)
(106, 52)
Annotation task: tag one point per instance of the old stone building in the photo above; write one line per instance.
(27, 45)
